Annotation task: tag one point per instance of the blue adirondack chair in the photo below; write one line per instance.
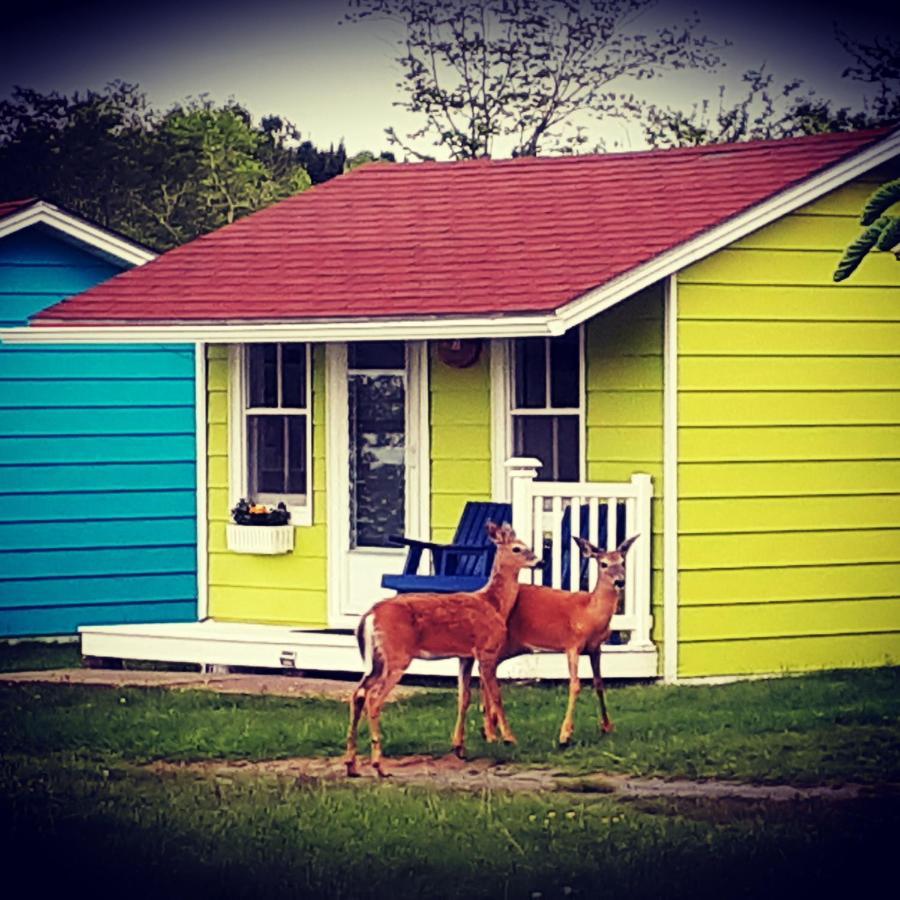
(463, 565)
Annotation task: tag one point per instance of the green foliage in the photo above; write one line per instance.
(882, 233)
(484, 75)
(29, 656)
(158, 178)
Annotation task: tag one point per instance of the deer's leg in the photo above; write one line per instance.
(375, 700)
(568, 725)
(493, 702)
(463, 700)
(357, 702)
(605, 722)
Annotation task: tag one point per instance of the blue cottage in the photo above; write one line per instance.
(98, 457)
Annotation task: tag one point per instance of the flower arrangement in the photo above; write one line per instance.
(247, 513)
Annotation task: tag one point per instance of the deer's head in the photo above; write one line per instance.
(610, 562)
(511, 552)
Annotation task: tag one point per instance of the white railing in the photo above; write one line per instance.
(614, 511)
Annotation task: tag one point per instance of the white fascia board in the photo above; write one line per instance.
(43, 213)
(432, 328)
(601, 298)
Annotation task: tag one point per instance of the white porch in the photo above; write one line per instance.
(610, 511)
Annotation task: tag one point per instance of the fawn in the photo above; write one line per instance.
(438, 626)
(570, 622)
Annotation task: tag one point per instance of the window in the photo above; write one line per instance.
(376, 388)
(276, 426)
(546, 404)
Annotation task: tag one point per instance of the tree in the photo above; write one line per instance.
(882, 231)
(159, 178)
(766, 112)
(522, 72)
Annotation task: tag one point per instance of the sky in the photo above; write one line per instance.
(338, 81)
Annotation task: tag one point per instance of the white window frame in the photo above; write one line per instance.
(503, 390)
(239, 383)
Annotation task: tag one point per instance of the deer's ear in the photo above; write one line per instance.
(624, 547)
(587, 548)
(493, 531)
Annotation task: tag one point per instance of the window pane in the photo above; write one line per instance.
(377, 463)
(533, 436)
(293, 376)
(376, 355)
(265, 437)
(565, 359)
(531, 373)
(297, 455)
(567, 462)
(262, 375)
(553, 440)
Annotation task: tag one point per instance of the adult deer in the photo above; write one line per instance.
(438, 626)
(570, 622)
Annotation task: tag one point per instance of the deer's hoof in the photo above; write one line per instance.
(459, 752)
(352, 771)
(607, 727)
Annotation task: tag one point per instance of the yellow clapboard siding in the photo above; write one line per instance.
(613, 470)
(216, 352)
(851, 198)
(789, 408)
(471, 442)
(792, 479)
(759, 583)
(217, 472)
(446, 510)
(620, 408)
(275, 606)
(460, 476)
(790, 267)
(787, 548)
(458, 408)
(629, 443)
(789, 373)
(736, 444)
(790, 654)
(712, 516)
(803, 232)
(642, 372)
(248, 570)
(775, 620)
(730, 338)
(217, 408)
(845, 302)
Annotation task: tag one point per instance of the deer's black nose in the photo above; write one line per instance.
(619, 583)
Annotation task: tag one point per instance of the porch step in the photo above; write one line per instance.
(281, 647)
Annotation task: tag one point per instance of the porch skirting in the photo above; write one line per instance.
(281, 647)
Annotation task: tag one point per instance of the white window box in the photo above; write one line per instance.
(265, 540)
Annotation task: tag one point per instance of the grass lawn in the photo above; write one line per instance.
(75, 793)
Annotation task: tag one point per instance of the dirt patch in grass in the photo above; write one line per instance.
(448, 772)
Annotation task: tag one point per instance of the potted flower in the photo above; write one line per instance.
(261, 529)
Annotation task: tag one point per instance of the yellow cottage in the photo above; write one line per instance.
(652, 340)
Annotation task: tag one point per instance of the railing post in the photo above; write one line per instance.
(643, 486)
(522, 470)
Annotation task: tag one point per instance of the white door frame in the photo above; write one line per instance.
(418, 466)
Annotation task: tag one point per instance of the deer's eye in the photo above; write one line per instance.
(604, 564)
(517, 549)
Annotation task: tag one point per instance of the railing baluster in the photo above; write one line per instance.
(572, 549)
(556, 539)
(612, 505)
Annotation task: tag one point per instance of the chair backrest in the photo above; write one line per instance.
(570, 550)
(471, 531)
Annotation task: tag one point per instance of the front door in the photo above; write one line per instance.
(377, 476)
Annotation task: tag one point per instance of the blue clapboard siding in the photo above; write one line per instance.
(97, 462)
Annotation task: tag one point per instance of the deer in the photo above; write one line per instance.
(438, 626)
(570, 622)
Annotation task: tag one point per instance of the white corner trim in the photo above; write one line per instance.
(43, 213)
(202, 462)
(670, 483)
(501, 446)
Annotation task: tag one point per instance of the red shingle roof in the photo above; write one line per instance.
(467, 238)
